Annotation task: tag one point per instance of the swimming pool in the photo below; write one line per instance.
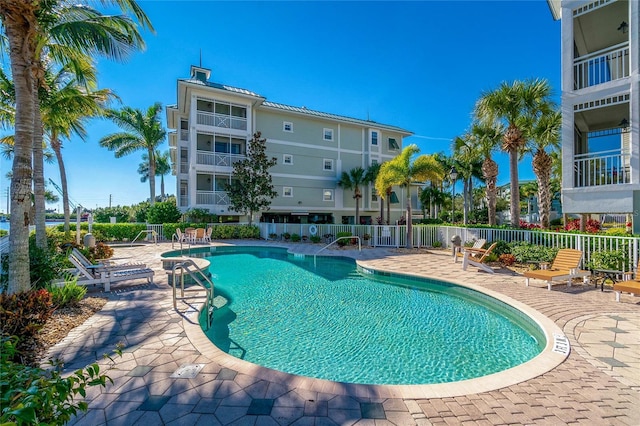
(335, 322)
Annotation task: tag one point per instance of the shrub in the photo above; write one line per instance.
(23, 314)
(315, 239)
(507, 259)
(592, 226)
(247, 231)
(286, 236)
(344, 241)
(614, 260)
(3, 232)
(44, 266)
(617, 232)
(165, 211)
(100, 251)
(104, 214)
(30, 395)
(524, 252)
(436, 244)
(295, 238)
(502, 247)
(68, 295)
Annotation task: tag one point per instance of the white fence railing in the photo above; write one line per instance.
(601, 168)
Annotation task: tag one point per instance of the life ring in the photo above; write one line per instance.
(313, 230)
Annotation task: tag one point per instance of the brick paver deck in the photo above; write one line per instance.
(598, 384)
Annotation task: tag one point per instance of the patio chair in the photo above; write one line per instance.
(478, 244)
(628, 286)
(190, 235)
(476, 257)
(199, 235)
(181, 237)
(108, 274)
(565, 268)
(207, 235)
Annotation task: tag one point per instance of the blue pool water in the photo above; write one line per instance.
(333, 322)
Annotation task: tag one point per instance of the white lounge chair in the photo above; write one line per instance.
(108, 274)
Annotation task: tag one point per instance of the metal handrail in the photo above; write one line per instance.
(196, 275)
(147, 231)
(334, 241)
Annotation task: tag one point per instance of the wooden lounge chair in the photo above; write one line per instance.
(478, 244)
(565, 267)
(108, 274)
(628, 286)
(476, 257)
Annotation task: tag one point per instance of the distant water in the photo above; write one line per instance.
(5, 225)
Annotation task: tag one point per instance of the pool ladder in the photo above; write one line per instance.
(188, 267)
(335, 241)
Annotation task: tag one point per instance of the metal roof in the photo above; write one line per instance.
(221, 87)
(306, 111)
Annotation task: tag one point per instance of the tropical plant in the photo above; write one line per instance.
(163, 167)
(143, 132)
(468, 164)
(165, 211)
(353, 180)
(26, 24)
(545, 136)
(251, 188)
(487, 140)
(403, 171)
(517, 105)
(370, 176)
(384, 189)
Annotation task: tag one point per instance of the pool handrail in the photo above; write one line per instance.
(208, 286)
(336, 240)
(153, 233)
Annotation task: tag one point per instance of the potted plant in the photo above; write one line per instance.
(273, 236)
(286, 236)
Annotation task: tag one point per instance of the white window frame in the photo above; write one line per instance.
(327, 131)
(285, 157)
(289, 124)
(324, 163)
(325, 192)
(288, 189)
(377, 133)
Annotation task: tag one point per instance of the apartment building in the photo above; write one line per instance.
(212, 124)
(600, 106)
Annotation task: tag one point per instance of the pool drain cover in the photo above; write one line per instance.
(187, 371)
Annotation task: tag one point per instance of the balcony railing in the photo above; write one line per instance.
(220, 159)
(601, 66)
(601, 168)
(184, 135)
(184, 167)
(221, 120)
(217, 198)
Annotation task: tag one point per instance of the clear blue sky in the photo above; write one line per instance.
(417, 65)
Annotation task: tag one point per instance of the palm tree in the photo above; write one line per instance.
(163, 167)
(487, 140)
(468, 163)
(144, 131)
(433, 197)
(527, 192)
(518, 105)
(371, 175)
(26, 24)
(353, 180)
(384, 188)
(545, 135)
(402, 171)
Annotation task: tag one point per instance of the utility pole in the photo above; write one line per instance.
(110, 195)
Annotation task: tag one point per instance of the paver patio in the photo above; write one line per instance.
(598, 384)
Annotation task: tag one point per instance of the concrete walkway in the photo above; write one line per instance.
(598, 384)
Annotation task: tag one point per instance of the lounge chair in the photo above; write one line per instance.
(478, 244)
(476, 257)
(565, 268)
(628, 286)
(108, 274)
(81, 258)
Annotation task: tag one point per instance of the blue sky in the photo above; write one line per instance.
(417, 65)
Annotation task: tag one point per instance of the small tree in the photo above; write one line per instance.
(251, 188)
(163, 212)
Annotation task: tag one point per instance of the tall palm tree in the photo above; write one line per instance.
(25, 25)
(353, 180)
(384, 188)
(371, 176)
(545, 136)
(518, 105)
(468, 163)
(143, 131)
(487, 140)
(402, 171)
(163, 167)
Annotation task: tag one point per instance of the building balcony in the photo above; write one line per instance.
(602, 168)
(601, 67)
(221, 120)
(217, 159)
(212, 198)
(184, 135)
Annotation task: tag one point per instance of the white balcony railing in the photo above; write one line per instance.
(208, 158)
(601, 66)
(221, 120)
(184, 135)
(601, 168)
(184, 167)
(217, 198)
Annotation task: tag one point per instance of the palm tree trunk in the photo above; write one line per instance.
(465, 201)
(38, 177)
(357, 196)
(152, 176)
(162, 187)
(515, 188)
(20, 32)
(389, 191)
(56, 146)
(409, 225)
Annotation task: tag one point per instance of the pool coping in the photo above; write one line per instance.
(556, 350)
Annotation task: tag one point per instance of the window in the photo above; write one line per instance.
(327, 195)
(327, 165)
(374, 195)
(393, 145)
(374, 137)
(287, 126)
(327, 134)
(287, 159)
(287, 191)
